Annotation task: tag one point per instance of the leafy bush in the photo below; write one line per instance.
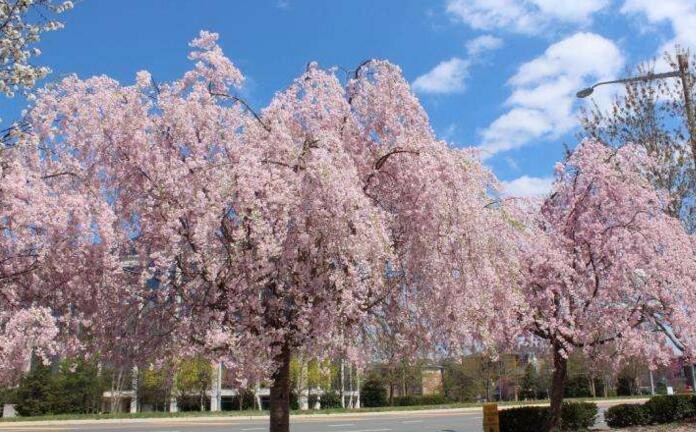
(532, 386)
(78, 388)
(574, 416)
(33, 396)
(413, 400)
(578, 416)
(373, 393)
(576, 387)
(523, 419)
(330, 400)
(75, 387)
(434, 399)
(246, 400)
(625, 415)
(626, 386)
(668, 409)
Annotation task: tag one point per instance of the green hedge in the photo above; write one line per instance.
(578, 416)
(657, 410)
(668, 409)
(523, 419)
(73, 387)
(373, 393)
(420, 400)
(574, 416)
(626, 415)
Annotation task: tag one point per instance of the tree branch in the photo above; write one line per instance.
(241, 101)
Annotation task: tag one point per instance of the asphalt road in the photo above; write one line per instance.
(408, 422)
(413, 421)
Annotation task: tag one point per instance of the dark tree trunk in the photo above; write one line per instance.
(280, 393)
(560, 370)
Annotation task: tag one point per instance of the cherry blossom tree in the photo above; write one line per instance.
(27, 239)
(49, 260)
(607, 271)
(306, 228)
(21, 25)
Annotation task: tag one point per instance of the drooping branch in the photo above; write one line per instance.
(670, 335)
(382, 160)
(242, 102)
(307, 145)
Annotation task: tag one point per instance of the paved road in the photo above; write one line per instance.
(409, 422)
(414, 421)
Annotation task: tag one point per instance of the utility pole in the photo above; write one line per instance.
(683, 62)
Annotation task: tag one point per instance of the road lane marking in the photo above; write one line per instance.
(412, 421)
(370, 430)
(34, 428)
(342, 425)
(252, 429)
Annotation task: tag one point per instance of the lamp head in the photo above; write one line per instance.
(584, 92)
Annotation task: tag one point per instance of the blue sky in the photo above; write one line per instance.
(497, 74)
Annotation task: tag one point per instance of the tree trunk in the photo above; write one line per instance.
(560, 370)
(280, 393)
(593, 388)
(343, 384)
(606, 387)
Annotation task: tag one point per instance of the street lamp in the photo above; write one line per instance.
(682, 73)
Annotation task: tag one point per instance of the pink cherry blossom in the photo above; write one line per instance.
(331, 215)
(605, 269)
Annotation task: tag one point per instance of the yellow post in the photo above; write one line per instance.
(490, 418)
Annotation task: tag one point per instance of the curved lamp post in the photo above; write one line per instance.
(683, 74)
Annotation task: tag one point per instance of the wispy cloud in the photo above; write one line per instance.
(541, 105)
(450, 76)
(482, 44)
(680, 15)
(528, 186)
(447, 77)
(523, 16)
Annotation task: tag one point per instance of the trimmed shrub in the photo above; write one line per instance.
(574, 416)
(626, 415)
(668, 409)
(373, 393)
(414, 400)
(523, 419)
(434, 399)
(578, 416)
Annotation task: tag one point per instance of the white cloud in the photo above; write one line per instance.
(450, 76)
(482, 44)
(523, 16)
(447, 77)
(679, 14)
(528, 186)
(541, 105)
